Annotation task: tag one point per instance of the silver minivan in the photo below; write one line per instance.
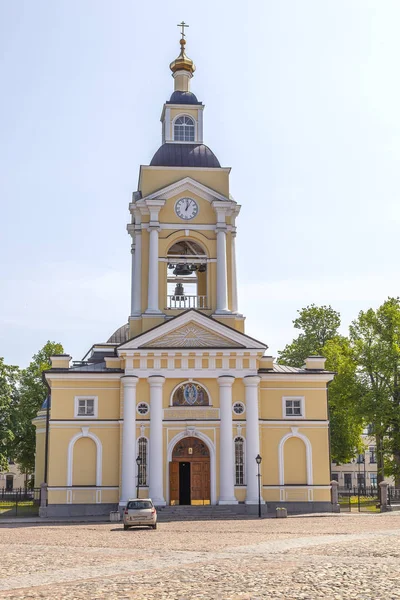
(139, 512)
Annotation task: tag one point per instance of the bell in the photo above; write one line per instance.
(179, 292)
(185, 270)
(178, 269)
(202, 268)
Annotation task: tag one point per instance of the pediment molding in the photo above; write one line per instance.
(183, 185)
(191, 330)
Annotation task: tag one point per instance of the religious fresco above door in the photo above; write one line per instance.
(190, 394)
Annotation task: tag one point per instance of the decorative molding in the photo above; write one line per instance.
(294, 433)
(99, 455)
(191, 336)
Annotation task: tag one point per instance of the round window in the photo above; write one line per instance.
(238, 408)
(142, 408)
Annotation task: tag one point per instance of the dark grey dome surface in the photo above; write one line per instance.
(46, 402)
(120, 336)
(183, 98)
(185, 155)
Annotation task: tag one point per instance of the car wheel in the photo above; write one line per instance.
(126, 527)
(155, 526)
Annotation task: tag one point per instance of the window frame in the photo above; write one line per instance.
(302, 407)
(194, 129)
(235, 439)
(243, 411)
(143, 414)
(146, 478)
(95, 407)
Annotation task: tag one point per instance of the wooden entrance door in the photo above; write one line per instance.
(194, 451)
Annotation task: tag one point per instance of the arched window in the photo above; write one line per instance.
(184, 129)
(239, 461)
(186, 275)
(190, 394)
(142, 453)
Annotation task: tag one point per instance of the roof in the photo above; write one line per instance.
(91, 368)
(292, 370)
(185, 155)
(183, 98)
(120, 335)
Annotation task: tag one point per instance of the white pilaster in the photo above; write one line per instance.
(137, 275)
(234, 277)
(156, 493)
(132, 276)
(222, 289)
(128, 471)
(152, 300)
(252, 383)
(226, 470)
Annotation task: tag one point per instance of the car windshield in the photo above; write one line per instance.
(138, 504)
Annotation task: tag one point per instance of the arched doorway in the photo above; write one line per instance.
(189, 472)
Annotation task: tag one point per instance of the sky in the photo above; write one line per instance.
(302, 101)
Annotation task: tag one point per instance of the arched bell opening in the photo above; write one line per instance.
(186, 276)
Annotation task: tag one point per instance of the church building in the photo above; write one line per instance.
(179, 404)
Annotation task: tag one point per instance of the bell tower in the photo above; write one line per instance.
(183, 220)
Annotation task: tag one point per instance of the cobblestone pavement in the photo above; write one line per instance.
(332, 557)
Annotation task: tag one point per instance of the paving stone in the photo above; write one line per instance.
(339, 557)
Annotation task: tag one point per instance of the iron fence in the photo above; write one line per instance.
(19, 502)
(361, 499)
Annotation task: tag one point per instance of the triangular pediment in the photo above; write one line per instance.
(192, 335)
(192, 330)
(186, 184)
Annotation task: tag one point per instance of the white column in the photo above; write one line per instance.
(128, 471)
(226, 468)
(156, 454)
(152, 300)
(234, 277)
(132, 277)
(222, 291)
(252, 437)
(137, 275)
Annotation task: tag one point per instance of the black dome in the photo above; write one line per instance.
(185, 155)
(183, 98)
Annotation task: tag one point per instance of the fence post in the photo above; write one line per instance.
(43, 500)
(335, 496)
(384, 496)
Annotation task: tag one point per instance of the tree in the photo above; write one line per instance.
(376, 339)
(32, 393)
(319, 336)
(8, 398)
(318, 324)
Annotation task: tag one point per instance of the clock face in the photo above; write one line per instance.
(186, 208)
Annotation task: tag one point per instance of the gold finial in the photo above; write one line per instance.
(182, 62)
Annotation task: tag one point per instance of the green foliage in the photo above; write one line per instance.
(8, 400)
(32, 392)
(318, 325)
(319, 336)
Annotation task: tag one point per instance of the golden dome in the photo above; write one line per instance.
(182, 63)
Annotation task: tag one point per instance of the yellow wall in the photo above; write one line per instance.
(84, 462)
(39, 457)
(153, 178)
(295, 462)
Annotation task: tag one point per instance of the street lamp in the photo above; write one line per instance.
(258, 461)
(138, 462)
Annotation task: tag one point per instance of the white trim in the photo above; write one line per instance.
(210, 445)
(244, 484)
(296, 487)
(199, 319)
(188, 405)
(71, 376)
(64, 488)
(294, 378)
(95, 407)
(195, 125)
(302, 408)
(99, 455)
(186, 183)
(294, 433)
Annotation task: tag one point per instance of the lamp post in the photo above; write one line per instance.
(138, 462)
(258, 461)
